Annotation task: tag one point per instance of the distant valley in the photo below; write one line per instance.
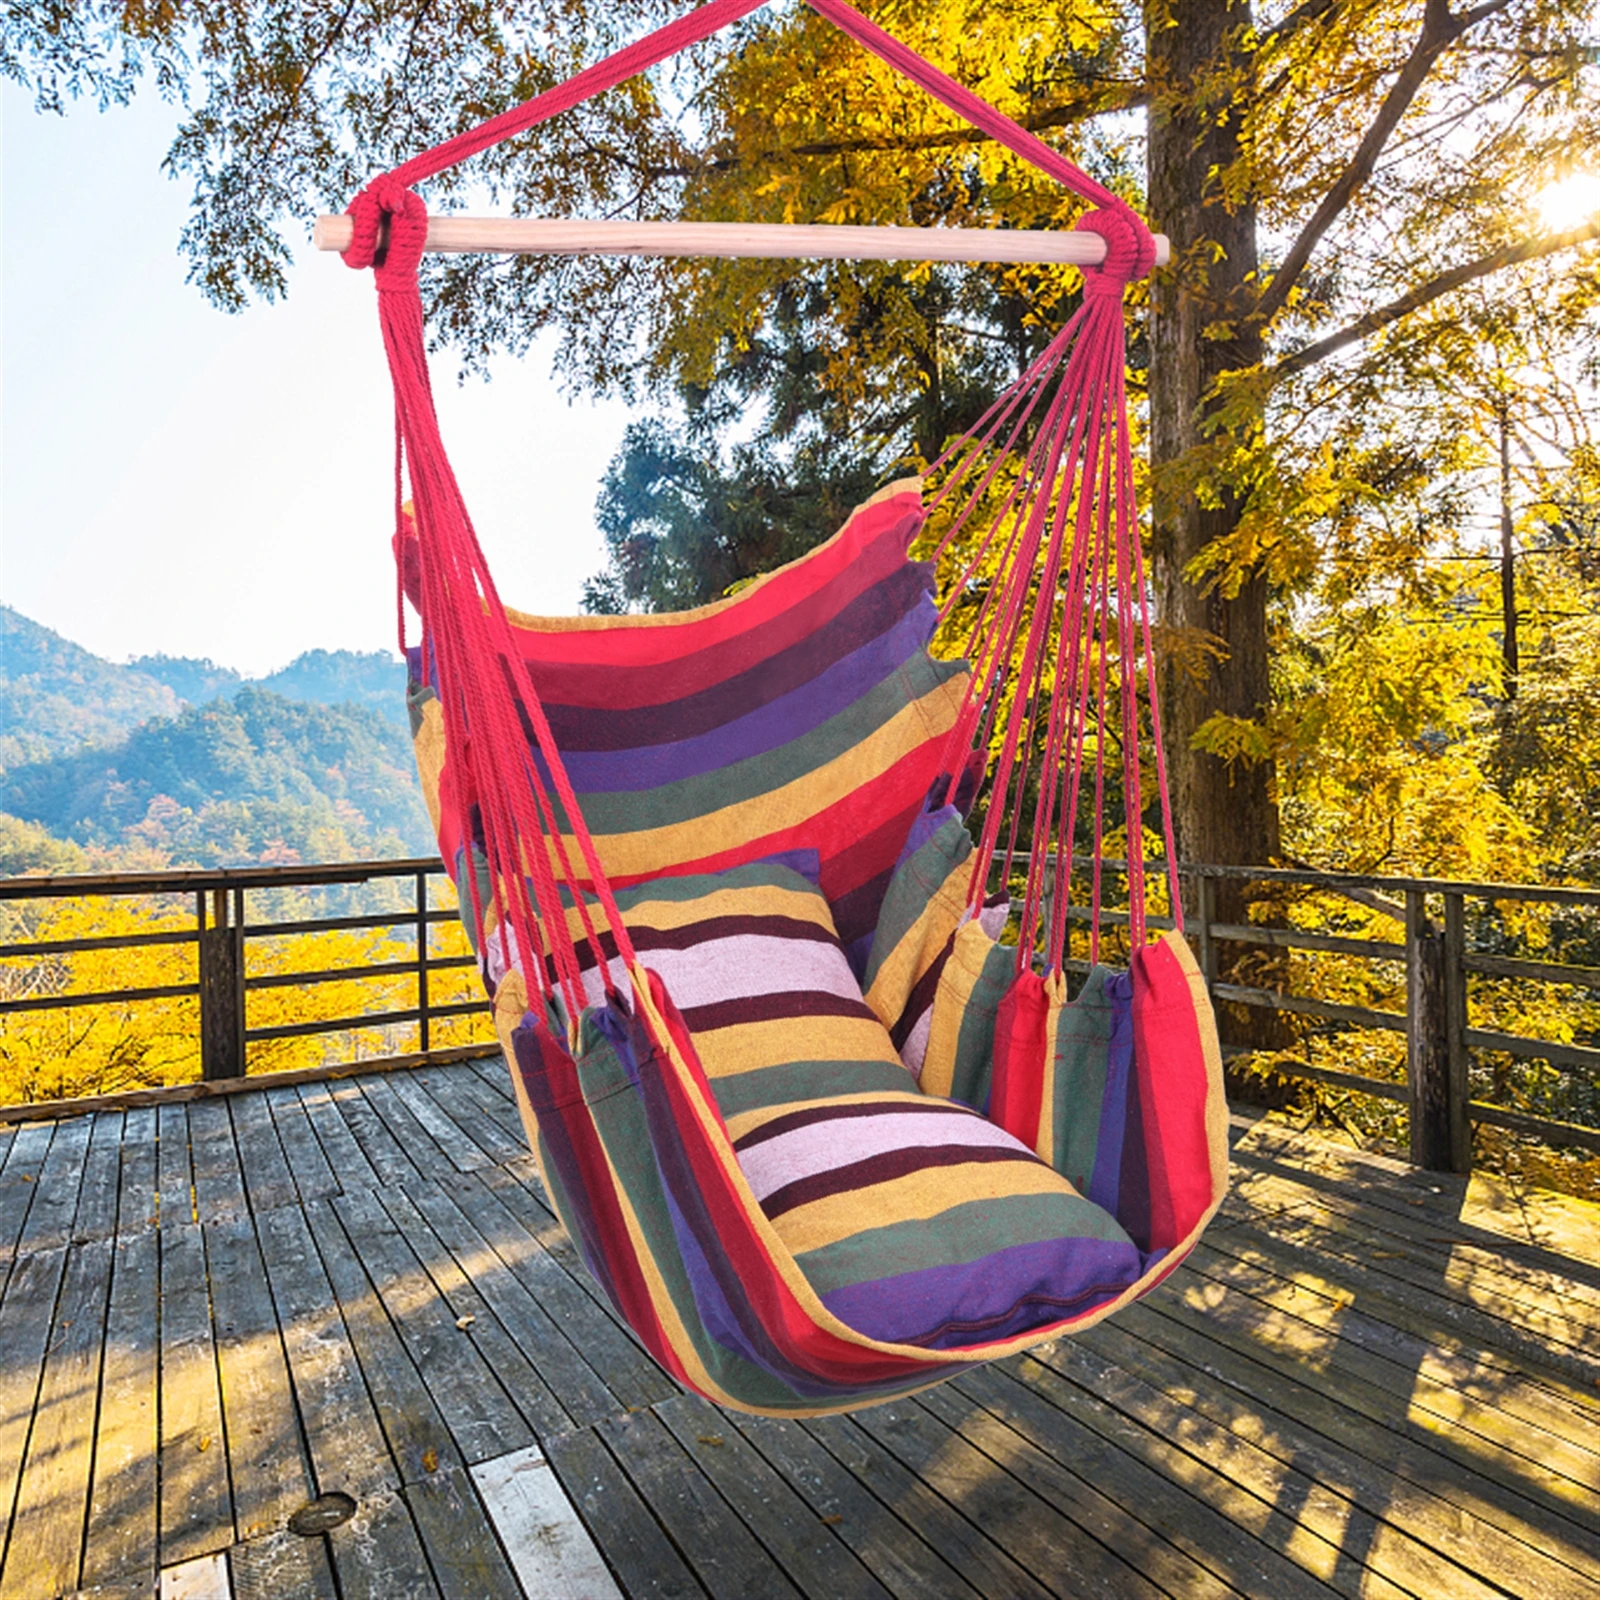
(176, 761)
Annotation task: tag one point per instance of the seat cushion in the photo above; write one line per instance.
(918, 1221)
(751, 960)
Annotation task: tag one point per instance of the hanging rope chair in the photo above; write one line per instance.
(821, 1137)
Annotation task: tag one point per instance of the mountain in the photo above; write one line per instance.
(259, 777)
(56, 696)
(371, 678)
(176, 759)
(193, 679)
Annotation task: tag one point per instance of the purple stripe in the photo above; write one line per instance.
(1002, 1294)
(870, 615)
(1105, 1182)
(765, 728)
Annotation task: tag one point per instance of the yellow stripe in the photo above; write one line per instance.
(750, 1046)
(915, 1197)
(1055, 994)
(748, 1121)
(956, 983)
(761, 900)
(428, 747)
(917, 950)
(630, 855)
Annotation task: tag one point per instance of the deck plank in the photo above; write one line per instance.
(816, 1559)
(523, 1382)
(634, 1544)
(60, 1180)
(267, 1178)
(46, 1549)
(123, 1507)
(174, 1176)
(482, 1418)
(196, 1505)
(339, 1144)
(1494, 1392)
(219, 1191)
(19, 1186)
(27, 1314)
(314, 1179)
(1517, 1452)
(963, 1545)
(267, 1463)
(96, 1216)
(454, 1142)
(725, 1555)
(901, 1560)
(383, 1152)
(989, 1475)
(574, 1383)
(138, 1196)
(1406, 1524)
(1368, 1424)
(554, 1274)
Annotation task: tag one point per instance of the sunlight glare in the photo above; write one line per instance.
(1570, 202)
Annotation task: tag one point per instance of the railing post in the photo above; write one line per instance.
(423, 1030)
(1205, 917)
(222, 1052)
(1455, 1023)
(1427, 1042)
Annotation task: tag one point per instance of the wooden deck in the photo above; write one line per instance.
(1368, 1381)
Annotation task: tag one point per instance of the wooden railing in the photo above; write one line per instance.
(1431, 917)
(220, 932)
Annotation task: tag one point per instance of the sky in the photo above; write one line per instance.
(179, 480)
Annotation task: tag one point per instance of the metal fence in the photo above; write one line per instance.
(1433, 949)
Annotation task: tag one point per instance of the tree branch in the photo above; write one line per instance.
(1130, 98)
(1381, 316)
(1440, 29)
(1308, 11)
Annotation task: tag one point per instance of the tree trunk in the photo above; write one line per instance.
(1199, 329)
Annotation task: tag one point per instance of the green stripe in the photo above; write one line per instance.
(967, 1232)
(623, 1128)
(974, 1064)
(1083, 1054)
(795, 1081)
(636, 811)
(916, 881)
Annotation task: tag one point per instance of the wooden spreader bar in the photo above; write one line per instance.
(564, 236)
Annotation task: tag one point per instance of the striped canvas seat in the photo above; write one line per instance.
(803, 714)
(829, 1145)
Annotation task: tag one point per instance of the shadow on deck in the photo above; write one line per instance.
(1367, 1380)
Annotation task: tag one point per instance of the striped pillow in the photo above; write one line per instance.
(751, 960)
(919, 1222)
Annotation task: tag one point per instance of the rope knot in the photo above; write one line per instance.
(1130, 249)
(390, 230)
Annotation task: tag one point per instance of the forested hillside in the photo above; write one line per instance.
(257, 778)
(172, 760)
(55, 695)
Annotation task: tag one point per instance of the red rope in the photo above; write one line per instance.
(525, 809)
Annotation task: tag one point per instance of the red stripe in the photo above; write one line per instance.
(1016, 1094)
(600, 1192)
(1172, 1098)
(667, 660)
